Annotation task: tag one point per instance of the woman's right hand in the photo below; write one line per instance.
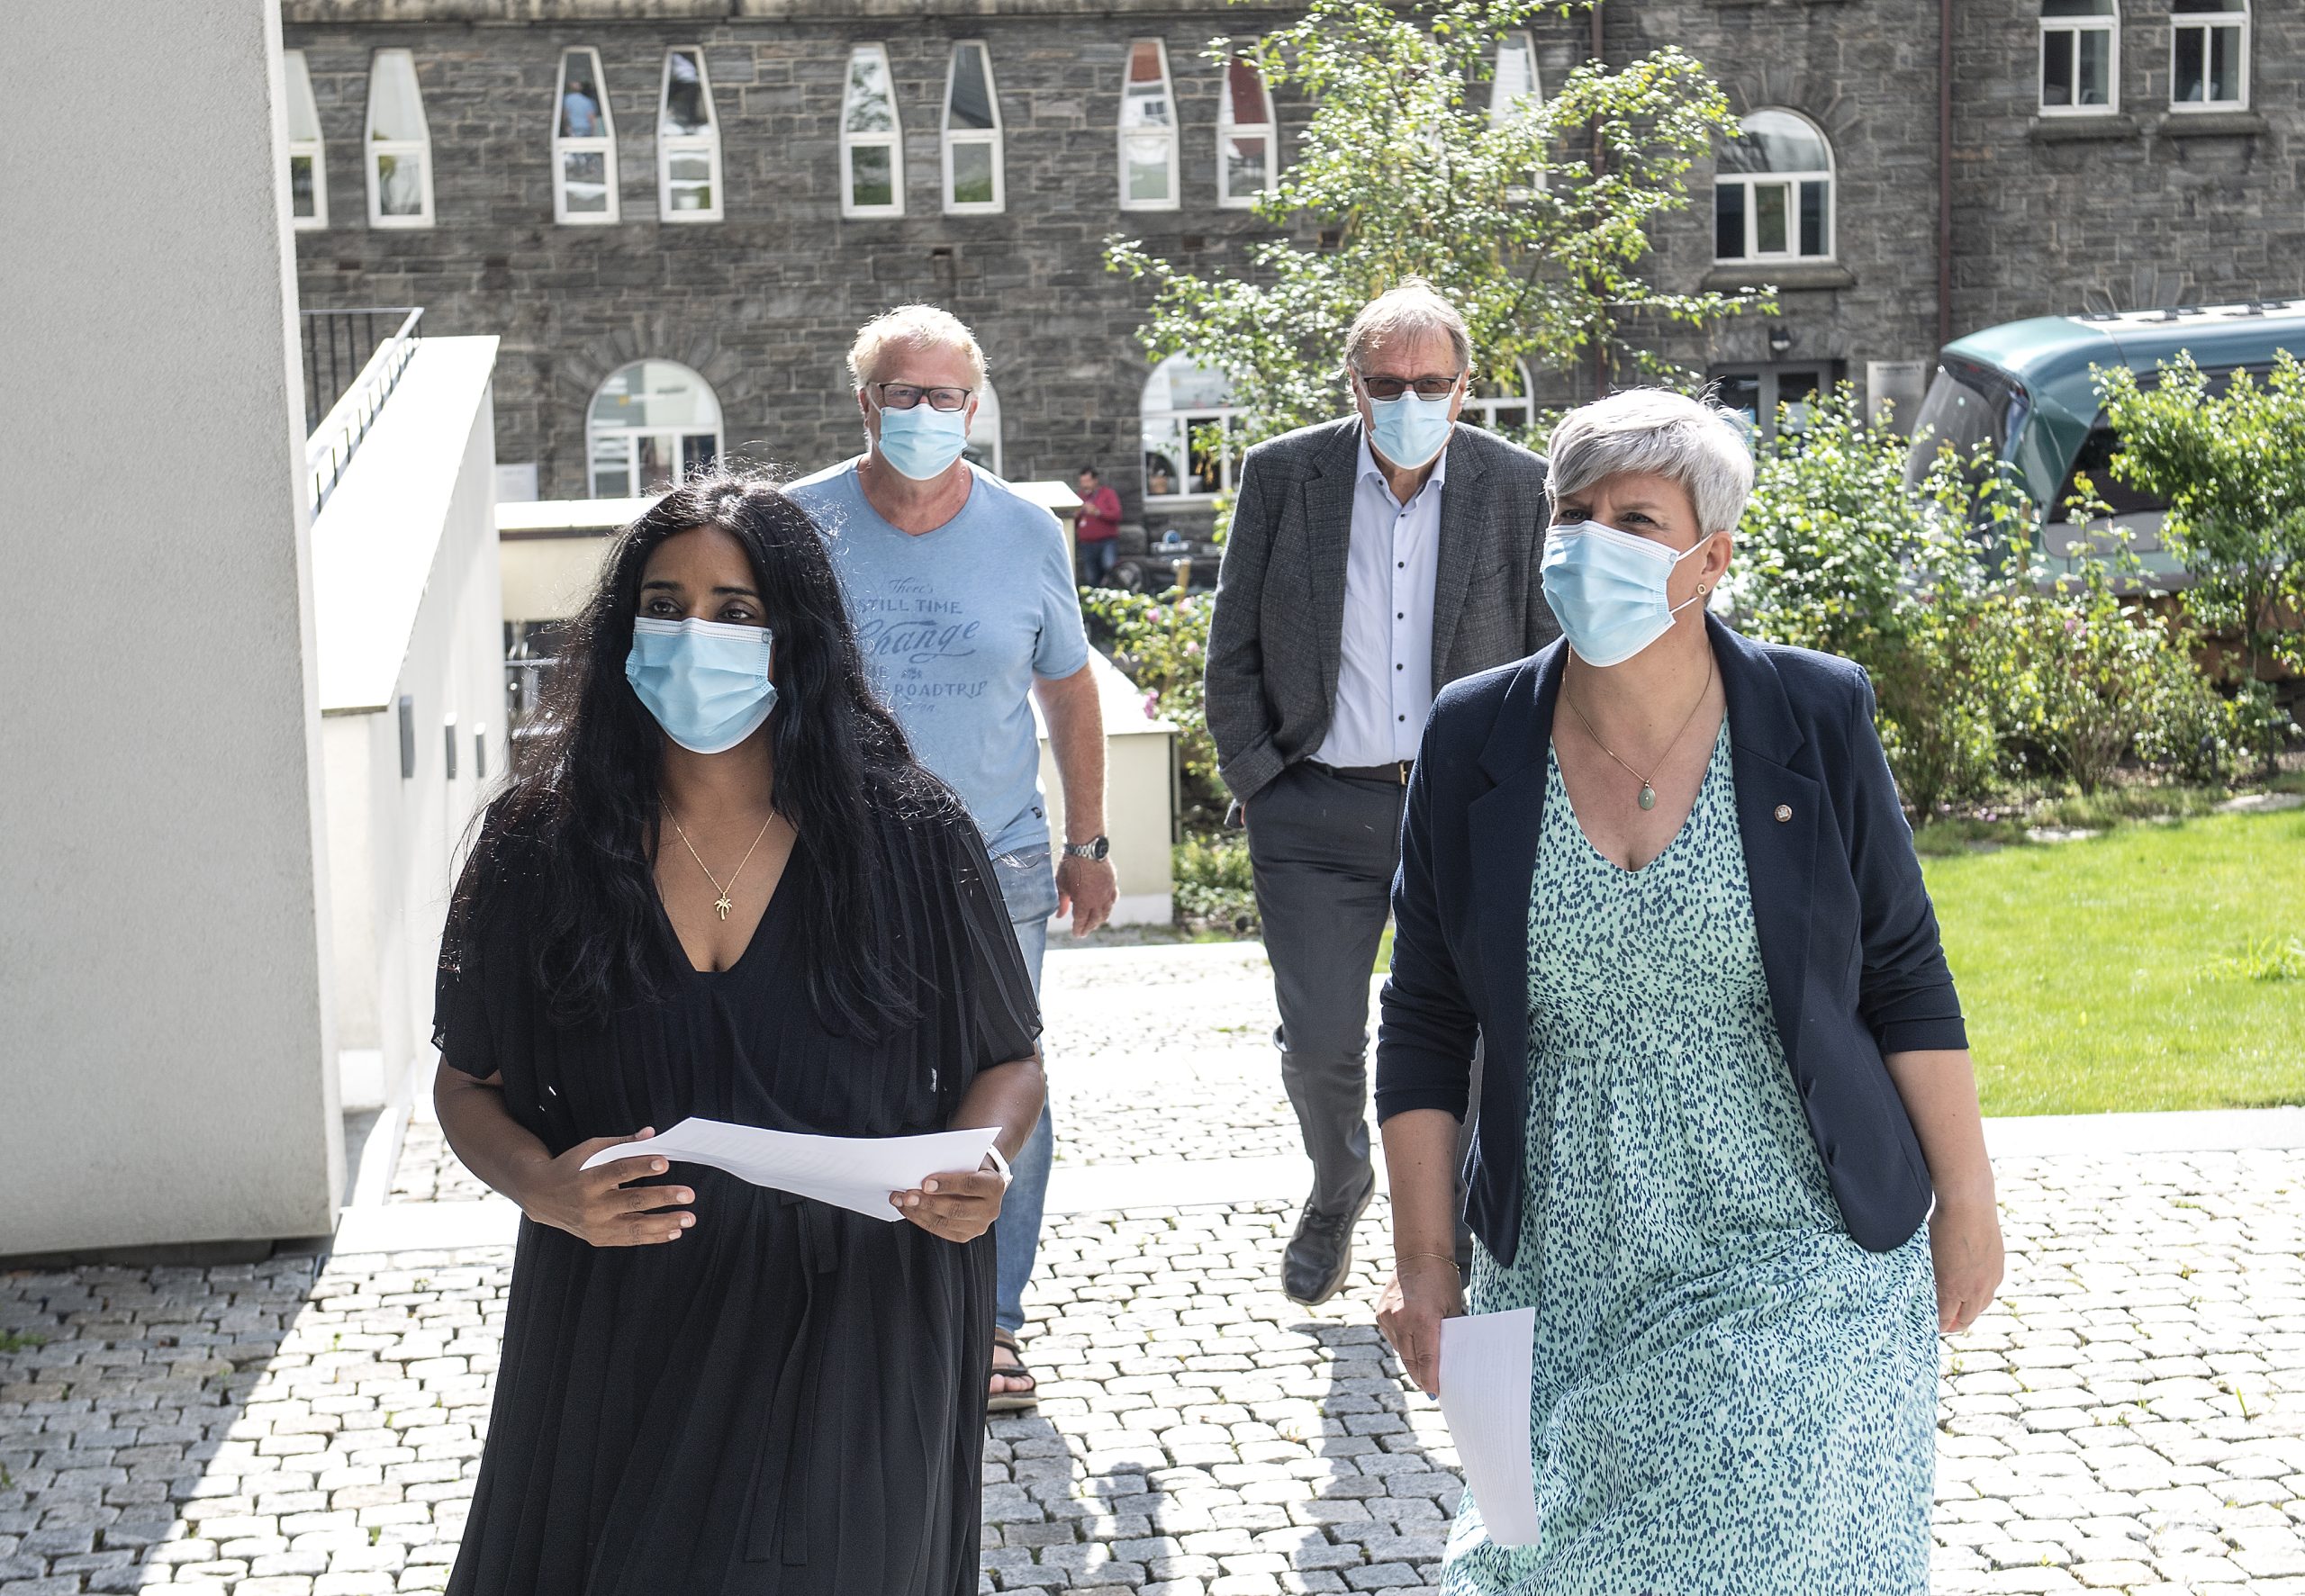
(1423, 1291)
(598, 1205)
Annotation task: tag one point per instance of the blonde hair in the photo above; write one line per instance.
(910, 327)
(1411, 306)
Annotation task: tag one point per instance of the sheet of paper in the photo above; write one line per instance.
(854, 1172)
(1485, 1372)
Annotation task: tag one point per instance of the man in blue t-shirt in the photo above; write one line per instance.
(963, 603)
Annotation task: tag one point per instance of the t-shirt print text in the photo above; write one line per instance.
(910, 636)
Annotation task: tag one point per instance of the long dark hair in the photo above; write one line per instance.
(589, 813)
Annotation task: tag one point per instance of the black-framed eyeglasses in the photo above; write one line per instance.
(1424, 387)
(903, 396)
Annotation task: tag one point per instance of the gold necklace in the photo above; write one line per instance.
(1648, 789)
(724, 903)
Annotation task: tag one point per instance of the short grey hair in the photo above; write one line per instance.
(1654, 431)
(910, 327)
(1410, 307)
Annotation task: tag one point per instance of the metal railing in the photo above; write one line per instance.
(381, 342)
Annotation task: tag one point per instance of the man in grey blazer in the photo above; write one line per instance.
(1372, 560)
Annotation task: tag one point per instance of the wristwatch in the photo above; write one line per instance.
(1093, 848)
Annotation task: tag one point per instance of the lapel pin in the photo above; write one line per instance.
(1784, 813)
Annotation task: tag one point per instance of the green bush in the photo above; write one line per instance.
(1159, 641)
(1214, 889)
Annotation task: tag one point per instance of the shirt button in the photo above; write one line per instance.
(1400, 718)
(1400, 564)
(1400, 667)
(1400, 614)
(1784, 813)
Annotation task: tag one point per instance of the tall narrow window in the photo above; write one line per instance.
(1190, 431)
(1148, 131)
(650, 425)
(971, 132)
(1513, 91)
(1247, 142)
(872, 138)
(399, 152)
(984, 447)
(583, 143)
(2080, 52)
(1773, 191)
(2209, 55)
(687, 142)
(307, 159)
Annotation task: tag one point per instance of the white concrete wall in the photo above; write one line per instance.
(164, 1016)
(409, 605)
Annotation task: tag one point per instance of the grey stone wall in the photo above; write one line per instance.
(2146, 208)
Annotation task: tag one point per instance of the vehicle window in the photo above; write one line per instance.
(1967, 405)
(2095, 458)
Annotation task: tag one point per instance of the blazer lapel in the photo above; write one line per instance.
(1780, 854)
(1328, 518)
(1461, 527)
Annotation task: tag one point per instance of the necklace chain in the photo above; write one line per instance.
(1648, 800)
(724, 903)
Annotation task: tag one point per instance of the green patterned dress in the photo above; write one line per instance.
(1731, 1396)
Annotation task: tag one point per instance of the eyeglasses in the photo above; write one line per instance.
(903, 396)
(1425, 387)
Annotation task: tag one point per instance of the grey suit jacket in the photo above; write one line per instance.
(1276, 637)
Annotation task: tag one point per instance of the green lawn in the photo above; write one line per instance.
(2159, 966)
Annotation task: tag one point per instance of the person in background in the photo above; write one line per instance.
(580, 113)
(1096, 529)
(726, 889)
(967, 615)
(1663, 874)
(1372, 560)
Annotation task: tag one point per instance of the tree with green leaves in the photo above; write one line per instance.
(2231, 467)
(1532, 216)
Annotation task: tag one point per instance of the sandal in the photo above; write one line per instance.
(1013, 1399)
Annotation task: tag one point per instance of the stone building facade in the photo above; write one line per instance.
(2130, 203)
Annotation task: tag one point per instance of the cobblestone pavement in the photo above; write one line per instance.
(2130, 1416)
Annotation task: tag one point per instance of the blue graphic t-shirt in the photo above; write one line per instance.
(954, 625)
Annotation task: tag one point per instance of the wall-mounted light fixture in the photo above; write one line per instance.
(448, 741)
(1780, 338)
(407, 737)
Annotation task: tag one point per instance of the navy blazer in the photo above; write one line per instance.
(1848, 938)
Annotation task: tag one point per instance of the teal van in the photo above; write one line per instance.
(2025, 387)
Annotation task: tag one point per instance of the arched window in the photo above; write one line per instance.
(2080, 58)
(1502, 404)
(2209, 55)
(1248, 157)
(651, 424)
(872, 138)
(687, 142)
(984, 447)
(1148, 131)
(1773, 191)
(971, 132)
(1189, 427)
(583, 143)
(399, 156)
(307, 158)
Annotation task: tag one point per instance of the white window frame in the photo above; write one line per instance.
(373, 148)
(2240, 22)
(984, 428)
(299, 77)
(593, 432)
(1172, 132)
(604, 145)
(1485, 406)
(2077, 26)
(670, 143)
(1189, 419)
(992, 137)
(1227, 128)
(1749, 181)
(892, 141)
(1504, 108)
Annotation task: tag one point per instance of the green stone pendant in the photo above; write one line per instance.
(1648, 795)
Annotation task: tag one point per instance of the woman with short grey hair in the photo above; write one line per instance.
(1740, 1175)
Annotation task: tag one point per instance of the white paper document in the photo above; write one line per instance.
(1486, 1362)
(854, 1172)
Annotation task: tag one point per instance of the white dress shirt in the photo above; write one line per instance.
(1383, 679)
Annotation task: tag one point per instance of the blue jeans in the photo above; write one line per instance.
(1028, 887)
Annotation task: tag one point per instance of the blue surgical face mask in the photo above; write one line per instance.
(1409, 430)
(924, 441)
(705, 681)
(1607, 588)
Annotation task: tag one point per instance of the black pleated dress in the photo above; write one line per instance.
(790, 1398)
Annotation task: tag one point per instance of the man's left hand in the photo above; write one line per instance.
(1085, 888)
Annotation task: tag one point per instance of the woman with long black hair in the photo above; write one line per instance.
(726, 889)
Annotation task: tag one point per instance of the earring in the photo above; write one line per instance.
(1701, 587)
